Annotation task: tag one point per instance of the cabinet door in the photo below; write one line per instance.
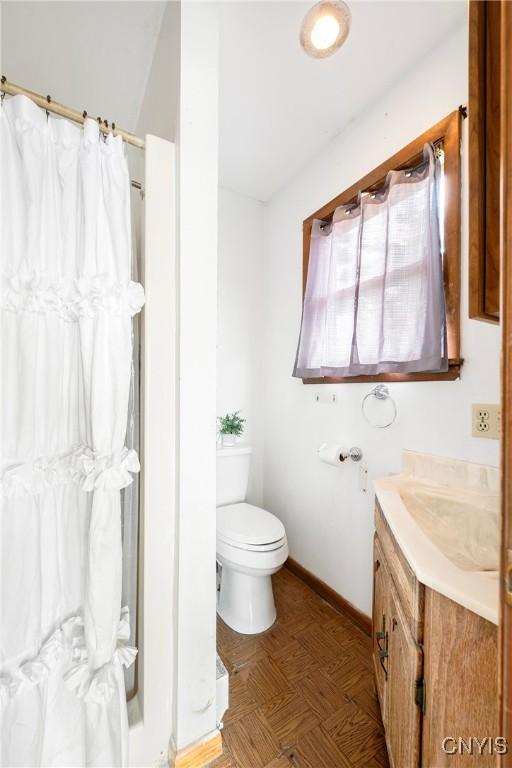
(461, 675)
(381, 587)
(403, 714)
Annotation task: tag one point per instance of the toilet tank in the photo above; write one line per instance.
(232, 474)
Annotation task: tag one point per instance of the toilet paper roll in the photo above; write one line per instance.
(332, 453)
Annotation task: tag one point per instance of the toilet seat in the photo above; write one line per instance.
(250, 528)
(251, 547)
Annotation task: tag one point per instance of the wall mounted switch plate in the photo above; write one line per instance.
(329, 398)
(486, 420)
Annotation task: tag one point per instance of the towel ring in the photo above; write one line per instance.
(380, 392)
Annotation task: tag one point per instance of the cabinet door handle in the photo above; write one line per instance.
(508, 576)
(383, 653)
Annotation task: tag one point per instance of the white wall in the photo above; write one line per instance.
(88, 55)
(240, 322)
(159, 108)
(197, 142)
(328, 521)
(180, 102)
(152, 710)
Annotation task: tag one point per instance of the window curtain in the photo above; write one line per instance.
(66, 303)
(374, 299)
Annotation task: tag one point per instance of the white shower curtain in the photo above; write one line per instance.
(66, 307)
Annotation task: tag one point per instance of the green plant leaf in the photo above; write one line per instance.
(231, 424)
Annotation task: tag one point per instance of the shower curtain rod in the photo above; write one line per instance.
(46, 102)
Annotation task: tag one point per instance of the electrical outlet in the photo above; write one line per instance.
(486, 420)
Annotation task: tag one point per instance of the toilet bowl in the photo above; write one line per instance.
(251, 547)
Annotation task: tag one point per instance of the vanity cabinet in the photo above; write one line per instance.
(435, 666)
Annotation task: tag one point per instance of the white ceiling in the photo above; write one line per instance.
(88, 55)
(279, 107)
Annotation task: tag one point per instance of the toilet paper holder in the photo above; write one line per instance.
(354, 453)
(335, 454)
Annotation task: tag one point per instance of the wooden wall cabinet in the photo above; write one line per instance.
(436, 666)
(484, 116)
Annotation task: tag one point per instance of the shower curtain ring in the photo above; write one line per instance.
(49, 100)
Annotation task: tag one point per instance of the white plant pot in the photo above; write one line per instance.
(228, 440)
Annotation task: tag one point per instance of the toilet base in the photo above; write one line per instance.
(246, 601)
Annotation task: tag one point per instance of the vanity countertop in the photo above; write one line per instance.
(447, 527)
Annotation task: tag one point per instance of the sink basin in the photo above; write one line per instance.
(463, 524)
(444, 515)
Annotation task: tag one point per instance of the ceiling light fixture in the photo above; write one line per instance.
(325, 28)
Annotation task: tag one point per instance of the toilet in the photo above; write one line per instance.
(251, 547)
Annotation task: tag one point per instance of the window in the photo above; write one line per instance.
(381, 270)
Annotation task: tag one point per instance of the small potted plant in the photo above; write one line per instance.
(231, 426)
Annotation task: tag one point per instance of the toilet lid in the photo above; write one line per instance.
(246, 524)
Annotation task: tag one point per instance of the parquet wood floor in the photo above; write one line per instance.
(301, 694)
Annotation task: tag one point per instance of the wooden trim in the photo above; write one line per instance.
(451, 374)
(483, 155)
(447, 130)
(199, 754)
(476, 156)
(409, 155)
(505, 639)
(330, 595)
